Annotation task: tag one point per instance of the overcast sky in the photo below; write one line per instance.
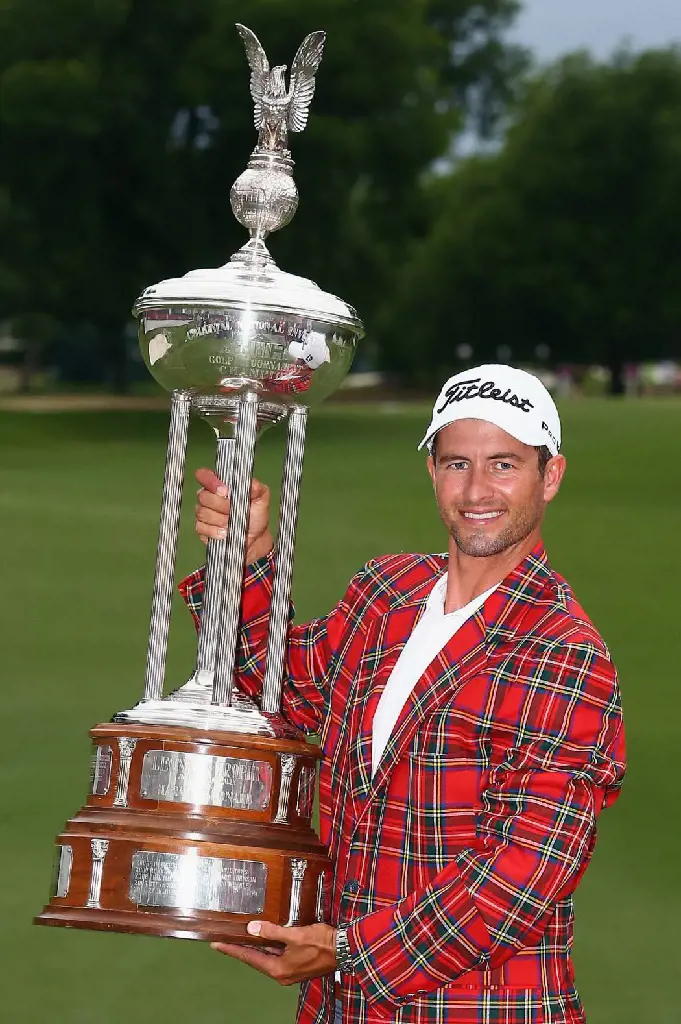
(552, 27)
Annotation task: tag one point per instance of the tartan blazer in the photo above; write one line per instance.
(456, 864)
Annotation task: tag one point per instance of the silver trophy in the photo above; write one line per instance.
(199, 797)
(244, 346)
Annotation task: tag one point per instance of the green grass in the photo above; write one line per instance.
(78, 518)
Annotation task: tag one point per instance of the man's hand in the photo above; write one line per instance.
(309, 952)
(212, 514)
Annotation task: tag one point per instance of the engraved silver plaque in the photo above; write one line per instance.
(306, 781)
(190, 882)
(101, 770)
(63, 874)
(206, 779)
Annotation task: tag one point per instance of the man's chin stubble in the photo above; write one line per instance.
(482, 546)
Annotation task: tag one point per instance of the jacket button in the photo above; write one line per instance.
(352, 885)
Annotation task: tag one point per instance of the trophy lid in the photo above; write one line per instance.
(264, 199)
(250, 283)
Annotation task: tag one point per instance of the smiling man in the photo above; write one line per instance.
(472, 733)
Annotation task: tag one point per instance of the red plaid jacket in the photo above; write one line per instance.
(456, 864)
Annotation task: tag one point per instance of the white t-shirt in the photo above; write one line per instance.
(432, 632)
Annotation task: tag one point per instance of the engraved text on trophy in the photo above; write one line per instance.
(191, 882)
(205, 779)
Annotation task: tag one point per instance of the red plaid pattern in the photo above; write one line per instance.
(456, 863)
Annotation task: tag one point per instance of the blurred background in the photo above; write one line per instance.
(483, 180)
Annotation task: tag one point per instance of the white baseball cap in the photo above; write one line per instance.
(512, 399)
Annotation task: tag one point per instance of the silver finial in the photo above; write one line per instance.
(265, 197)
(277, 110)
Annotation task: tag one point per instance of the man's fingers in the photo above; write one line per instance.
(207, 532)
(207, 499)
(263, 962)
(211, 518)
(258, 490)
(289, 936)
(213, 508)
(320, 936)
(210, 481)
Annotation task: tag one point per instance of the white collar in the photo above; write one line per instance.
(437, 596)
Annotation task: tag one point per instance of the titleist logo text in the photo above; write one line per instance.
(474, 389)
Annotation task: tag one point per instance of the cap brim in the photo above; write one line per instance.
(529, 437)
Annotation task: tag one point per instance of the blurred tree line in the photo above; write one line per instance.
(565, 244)
(124, 122)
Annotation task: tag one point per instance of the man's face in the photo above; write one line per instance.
(488, 487)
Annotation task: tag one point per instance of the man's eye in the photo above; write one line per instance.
(505, 466)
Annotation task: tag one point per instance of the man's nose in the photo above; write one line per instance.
(478, 488)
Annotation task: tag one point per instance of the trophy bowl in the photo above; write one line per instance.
(256, 329)
(199, 816)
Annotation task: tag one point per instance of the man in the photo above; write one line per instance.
(472, 732)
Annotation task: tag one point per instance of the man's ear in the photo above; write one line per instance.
(430, 463)
(553, 476)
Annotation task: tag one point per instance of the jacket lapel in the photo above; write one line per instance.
(461, 659)
(387, 639)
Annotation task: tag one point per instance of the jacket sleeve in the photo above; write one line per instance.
(564, 761)
(310, 649)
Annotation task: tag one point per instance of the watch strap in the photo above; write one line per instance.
(343, 951)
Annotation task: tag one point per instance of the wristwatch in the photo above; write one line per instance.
(343, 952)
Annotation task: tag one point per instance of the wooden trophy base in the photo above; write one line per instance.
(191, 834)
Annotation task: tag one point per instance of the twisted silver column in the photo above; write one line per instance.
(283, 578)
(164, 575)
(211, 607)
(240, 499)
